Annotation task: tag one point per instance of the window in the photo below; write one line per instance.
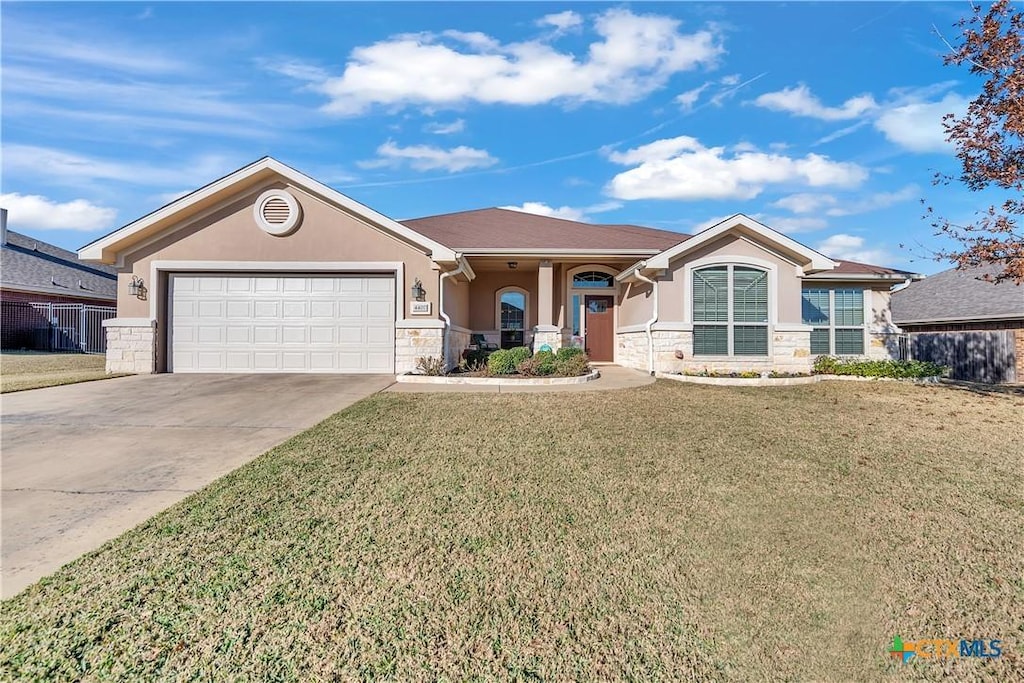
(512, 316)
(730, 311)
(592, 278)
(838, 319)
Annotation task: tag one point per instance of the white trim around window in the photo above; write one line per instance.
(729, 262)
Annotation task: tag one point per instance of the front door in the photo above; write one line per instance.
(600, 328)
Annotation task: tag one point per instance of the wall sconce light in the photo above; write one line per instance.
(137, 287)
(512, 265)
(418, 293)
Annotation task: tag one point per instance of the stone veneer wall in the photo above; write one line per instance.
(883, 345)
(791, 353)
(458, 341)
(416, 342)
(131, 346)
(551, 338)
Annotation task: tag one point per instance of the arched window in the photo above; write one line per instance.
(512, 316)
(593, 278)
(730, 311)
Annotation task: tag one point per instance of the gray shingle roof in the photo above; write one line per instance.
(31, 265)
(958, 295)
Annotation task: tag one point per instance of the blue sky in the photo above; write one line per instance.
(820, 119)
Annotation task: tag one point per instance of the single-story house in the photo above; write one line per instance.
(960, 319)
(269, 270)
(34, 275)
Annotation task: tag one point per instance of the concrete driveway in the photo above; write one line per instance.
(85, 462)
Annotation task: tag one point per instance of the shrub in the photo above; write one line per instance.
(897, 369)
(541, 364)
(430, 365)
(519, 354)
(501, 363)
(567, 352)
(573, 366)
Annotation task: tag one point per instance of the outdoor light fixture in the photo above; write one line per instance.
(512, 265)
(418, 293)
(137, 287)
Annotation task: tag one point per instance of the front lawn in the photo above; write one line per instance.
(28, 370)
(671, 532)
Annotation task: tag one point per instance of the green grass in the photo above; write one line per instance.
(670, 532)
(20, 371)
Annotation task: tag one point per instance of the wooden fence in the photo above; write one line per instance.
(978, 356)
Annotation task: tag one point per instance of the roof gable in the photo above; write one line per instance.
(747, 227)
(107, 248)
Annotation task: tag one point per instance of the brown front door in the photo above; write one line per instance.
(600, 327)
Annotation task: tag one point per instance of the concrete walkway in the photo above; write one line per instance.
(86, 462)
(612, 377)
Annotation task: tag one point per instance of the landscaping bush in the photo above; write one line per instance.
(572, 366)
(430, 365)
(501, 363)
(519, 354)
(567, 352)
(540, 364)
(897, 369)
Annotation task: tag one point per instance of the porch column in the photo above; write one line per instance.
(545, 287)
(546, 332)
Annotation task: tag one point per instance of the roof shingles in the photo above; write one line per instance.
(28, 264)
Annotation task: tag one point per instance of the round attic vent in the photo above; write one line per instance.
(277, 212)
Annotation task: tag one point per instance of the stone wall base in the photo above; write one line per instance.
(131, 346)
(673, 353)
(549, 337)
(412, 343)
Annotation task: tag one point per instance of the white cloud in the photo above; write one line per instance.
(295, 68)
(789, 224)
(877, 201)
(429, 158)
(805, 202)
(34, 211)
(77, 170)
(800, 101)
(917, 126)
(567, 212)
(852, 248)
(456, 126)
(562, 21)
(682, 168)
(634, 55)
(542, 209)
(688, 99)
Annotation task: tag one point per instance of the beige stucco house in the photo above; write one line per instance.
(268, 270)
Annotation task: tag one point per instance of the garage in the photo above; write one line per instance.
(329, 323)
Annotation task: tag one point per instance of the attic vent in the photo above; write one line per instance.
(277, 212)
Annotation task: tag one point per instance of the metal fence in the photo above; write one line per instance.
(978, 356)
(54, 327)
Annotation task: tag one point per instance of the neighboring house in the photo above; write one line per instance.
(959, 319)
(34, 273)
(268, 270)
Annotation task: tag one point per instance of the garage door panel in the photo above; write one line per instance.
(238, 334)
(238, 309)
(322, 309)
(294, 309)
(380, 310)
(294, 323)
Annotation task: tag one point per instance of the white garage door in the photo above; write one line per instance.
(282, 323)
